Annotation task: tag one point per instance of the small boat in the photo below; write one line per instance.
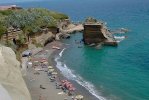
(55, 47)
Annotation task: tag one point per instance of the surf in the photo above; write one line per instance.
(68, 73)
(119, 38)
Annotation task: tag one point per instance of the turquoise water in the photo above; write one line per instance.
(117, 73)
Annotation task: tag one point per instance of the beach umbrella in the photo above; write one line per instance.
(68, 85)
(42, 61)
(45, 62)
(30, 63)
(67, 82)
(72, 89)
(51, 70)
(79, 97)
(54, 73)
(63, 81)
(36, 61)
(50, 67)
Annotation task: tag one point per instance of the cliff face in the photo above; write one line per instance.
(44, 38)
(11, 79)
(98, 33)
(93, 34)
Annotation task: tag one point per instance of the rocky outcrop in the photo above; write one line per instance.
(11, 81)
(60, 36)
(45, 38)
(97, 32)
(72, 28)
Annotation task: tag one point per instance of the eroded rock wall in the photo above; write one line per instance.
(10, 75)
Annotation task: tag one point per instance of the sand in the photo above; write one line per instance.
(34, 81)
(79, 89)
(50, 93)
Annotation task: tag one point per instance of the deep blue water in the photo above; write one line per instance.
(118, 73)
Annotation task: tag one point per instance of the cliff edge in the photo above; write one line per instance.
(11, 80)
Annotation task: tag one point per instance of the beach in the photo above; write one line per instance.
(34, 80)
(79, 89)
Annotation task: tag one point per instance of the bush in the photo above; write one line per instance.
(3, 29)
(6, 12)
(21, 39)
(91, 20)
(38, 45)
(32, 20)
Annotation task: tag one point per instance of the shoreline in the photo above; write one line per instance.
(36, 78)
(33, 81)
(79, 89)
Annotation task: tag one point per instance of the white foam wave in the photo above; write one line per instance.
(90, 87)
(119, 38)
(61, 53)
(69, 74)
(118, 41)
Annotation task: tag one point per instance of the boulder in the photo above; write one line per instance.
(62, 36)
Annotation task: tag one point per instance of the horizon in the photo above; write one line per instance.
(15, 1)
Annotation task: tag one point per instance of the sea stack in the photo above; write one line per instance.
(96, 32)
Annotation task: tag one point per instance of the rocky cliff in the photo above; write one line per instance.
(12, 84)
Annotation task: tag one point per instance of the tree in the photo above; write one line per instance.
(91, 20)
(31, 21)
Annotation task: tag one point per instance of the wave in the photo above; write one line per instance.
(69, 74)
(61, 53)
(119, 38)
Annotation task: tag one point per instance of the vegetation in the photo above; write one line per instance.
(91, 20)
(30, 21)
(3, 28)
(6, 12)
(33, 20)
(22, 39)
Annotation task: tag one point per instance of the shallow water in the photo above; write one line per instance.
(117, 73)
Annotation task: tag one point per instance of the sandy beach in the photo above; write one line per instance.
(48, 90)
(39, 83)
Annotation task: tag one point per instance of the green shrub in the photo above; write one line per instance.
(21, 39)
(6, 12)
(38, 45)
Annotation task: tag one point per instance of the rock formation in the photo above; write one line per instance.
(11, 81)
(96, 32)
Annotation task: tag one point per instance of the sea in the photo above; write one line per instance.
(109, 73)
